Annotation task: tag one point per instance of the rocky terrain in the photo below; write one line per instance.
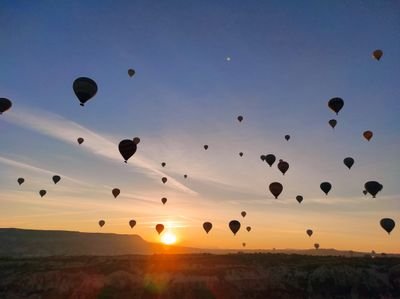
(200, 276)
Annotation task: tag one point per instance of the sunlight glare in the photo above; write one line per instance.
(168, 238)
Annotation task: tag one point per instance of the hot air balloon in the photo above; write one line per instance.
(276, 189)
(244, 244)
(373, 187)
(326, 187)
(270, 159)
(299, 198)
(85, 89)
(80, 140)
(243, 213)
(241, 154)
(5, 104)
(316, 246)
(131, 72)
(163, 164)
(262, 157)
(248, 228)
(207, 226)
(240, 118)
(185, 176)
(42, 193)
(127, 148)
(336, 104)
(116, 192)
(164, 200)
(333, 123)
(365, 192)
(283, 166)
(377, 54)
(349, 161)
(164, 180)
(368, 135)
(136, 140)
(132, 223)
(56, 179)
(234, 225)
(287, 137)
(388, 224)
(159, 228)
(206, 147)
(309, 232)
(101, 223)
(20, 181)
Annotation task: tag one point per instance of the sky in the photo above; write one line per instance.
(198, 66)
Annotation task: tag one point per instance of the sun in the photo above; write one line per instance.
(168, 238)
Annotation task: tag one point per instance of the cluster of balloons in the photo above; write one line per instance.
(42, 192)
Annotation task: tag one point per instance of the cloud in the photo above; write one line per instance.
(58, 127)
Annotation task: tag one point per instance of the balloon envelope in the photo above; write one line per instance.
(368, 135)
(270, 159)
(206, 147)
(243, 213)
(349, 161)
(159, 228)
(283, 166)
(101, 223)
(326, 187)
(132, 223)
(240, 118)
(207, 226)
(234, 226)
(56, 179)
(276, 189)
(164, 200)
(336, 104)
(248, 228)
(42, 193)
(287, 137)
(333, 123)
(373, 187)
(5, 104)
(84, 88)
(164, 180)
(163, 164)
(309, 232)
(387, 224)
(20, 181)
(80, 140)
(116, 192)
(262, 157)
(316, 245)
(131, 72)
(136, 140)
(299, 198)
(377, 54)
(241, 154)
(127, 148)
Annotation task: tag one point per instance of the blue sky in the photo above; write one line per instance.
(287, 60)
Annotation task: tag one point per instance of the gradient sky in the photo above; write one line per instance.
(288, 58)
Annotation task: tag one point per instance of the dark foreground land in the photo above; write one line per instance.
(201, 276)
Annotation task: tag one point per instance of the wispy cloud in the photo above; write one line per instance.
(58, 127)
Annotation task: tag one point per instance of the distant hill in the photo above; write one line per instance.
(42, 243)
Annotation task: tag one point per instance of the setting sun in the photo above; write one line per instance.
(168, 238)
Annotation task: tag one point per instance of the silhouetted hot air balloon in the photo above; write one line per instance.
(20, 181)
(368, 135)
(131, 72)
(80, 140)
(5, 104)
(316, 246)
(241, 154)
(373, 187)
(116, 192)
(240, 118)
(299, 198)
(132, 223)
(244, 244)
(243, 213)
(349, 161)
(309, 232)
(336, 104)
(164, 200)
(127, 148)
(163, 164)
(365, 192)
(262, 157)
(234, 225)
(206, 147)
(388, 224)
(326, 187)
(283, 166)
(136, 140)
(185, 176)
(207, 226)
(270, 159)
(85, 89)
(42, 193)
(377, 54)
(56, 179)
(333, 123)
(276, 189)
(248, 228)
(164, 180)
(101, 223)
(287, 137)
(159, 228)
